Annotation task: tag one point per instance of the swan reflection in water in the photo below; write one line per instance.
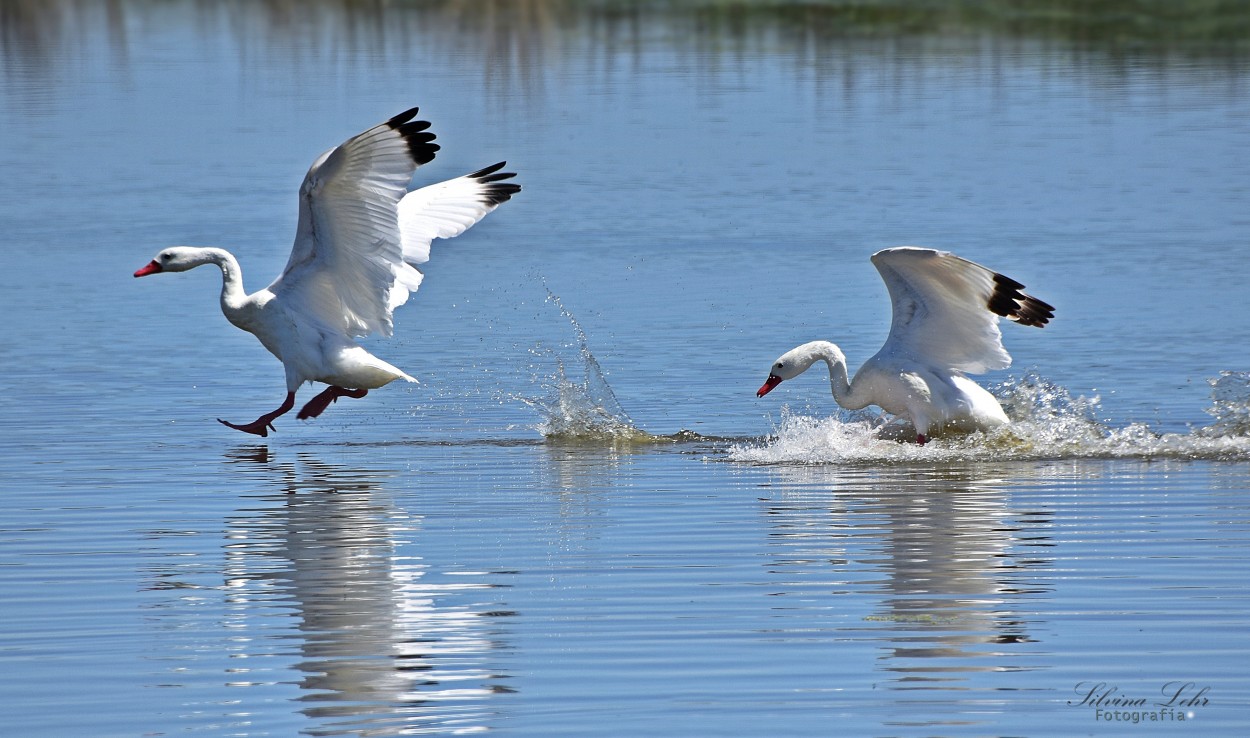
(938, 555)
(386, 645)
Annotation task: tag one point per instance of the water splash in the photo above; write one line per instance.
(1047, 423)
(581, 411)
(1230, 405)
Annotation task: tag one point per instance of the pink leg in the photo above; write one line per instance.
(262, 425)
(318, 404)
(921, 439)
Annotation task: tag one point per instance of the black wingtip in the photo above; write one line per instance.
(488, 174)
(1008, 301)
(415, 134)
(494, 192)
(403, 117)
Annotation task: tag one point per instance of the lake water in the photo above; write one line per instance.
(583, 521)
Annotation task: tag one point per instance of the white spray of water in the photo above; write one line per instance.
(586, 410)
(1230, 405)
(1047, 423)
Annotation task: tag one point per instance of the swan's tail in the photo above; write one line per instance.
(355, 367)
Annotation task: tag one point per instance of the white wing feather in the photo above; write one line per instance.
(444, 210)
(347, 246)
(941, 313)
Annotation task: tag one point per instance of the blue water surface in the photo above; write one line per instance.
(583, 521)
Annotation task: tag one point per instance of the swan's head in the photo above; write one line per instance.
(796, 361)
(787, 366)
(176, 259)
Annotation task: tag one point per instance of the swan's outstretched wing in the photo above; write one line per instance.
(347, 246)
(946, 308)
(444, 210)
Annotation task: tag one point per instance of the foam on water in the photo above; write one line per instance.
(1047, 423)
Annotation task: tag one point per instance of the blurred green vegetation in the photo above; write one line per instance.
(1216, 24)
(1196, 29)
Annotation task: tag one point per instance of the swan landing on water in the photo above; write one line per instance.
(945, 325)
(360, 237)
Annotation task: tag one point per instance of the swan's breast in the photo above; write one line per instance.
(897, 389)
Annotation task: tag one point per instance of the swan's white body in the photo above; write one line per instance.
(945, 326)
(360, 237)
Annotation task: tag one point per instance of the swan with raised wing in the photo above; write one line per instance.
(944, 327)
(360, 238)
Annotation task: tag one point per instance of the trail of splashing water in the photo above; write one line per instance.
(1230, 405)
(1047, 423)
(581, 411)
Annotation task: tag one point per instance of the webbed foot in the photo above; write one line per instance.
(259, 427)
(318, 404)
(262, 425)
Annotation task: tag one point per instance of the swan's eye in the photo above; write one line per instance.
(781, 365)
(164, 257)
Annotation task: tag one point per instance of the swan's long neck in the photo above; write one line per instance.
(233, 296)
(839, 381)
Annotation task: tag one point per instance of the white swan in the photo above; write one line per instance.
(945, 325)
(360, 236)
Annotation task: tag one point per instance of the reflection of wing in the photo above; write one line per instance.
(444, 210)
(946, 308)
(347, 246)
